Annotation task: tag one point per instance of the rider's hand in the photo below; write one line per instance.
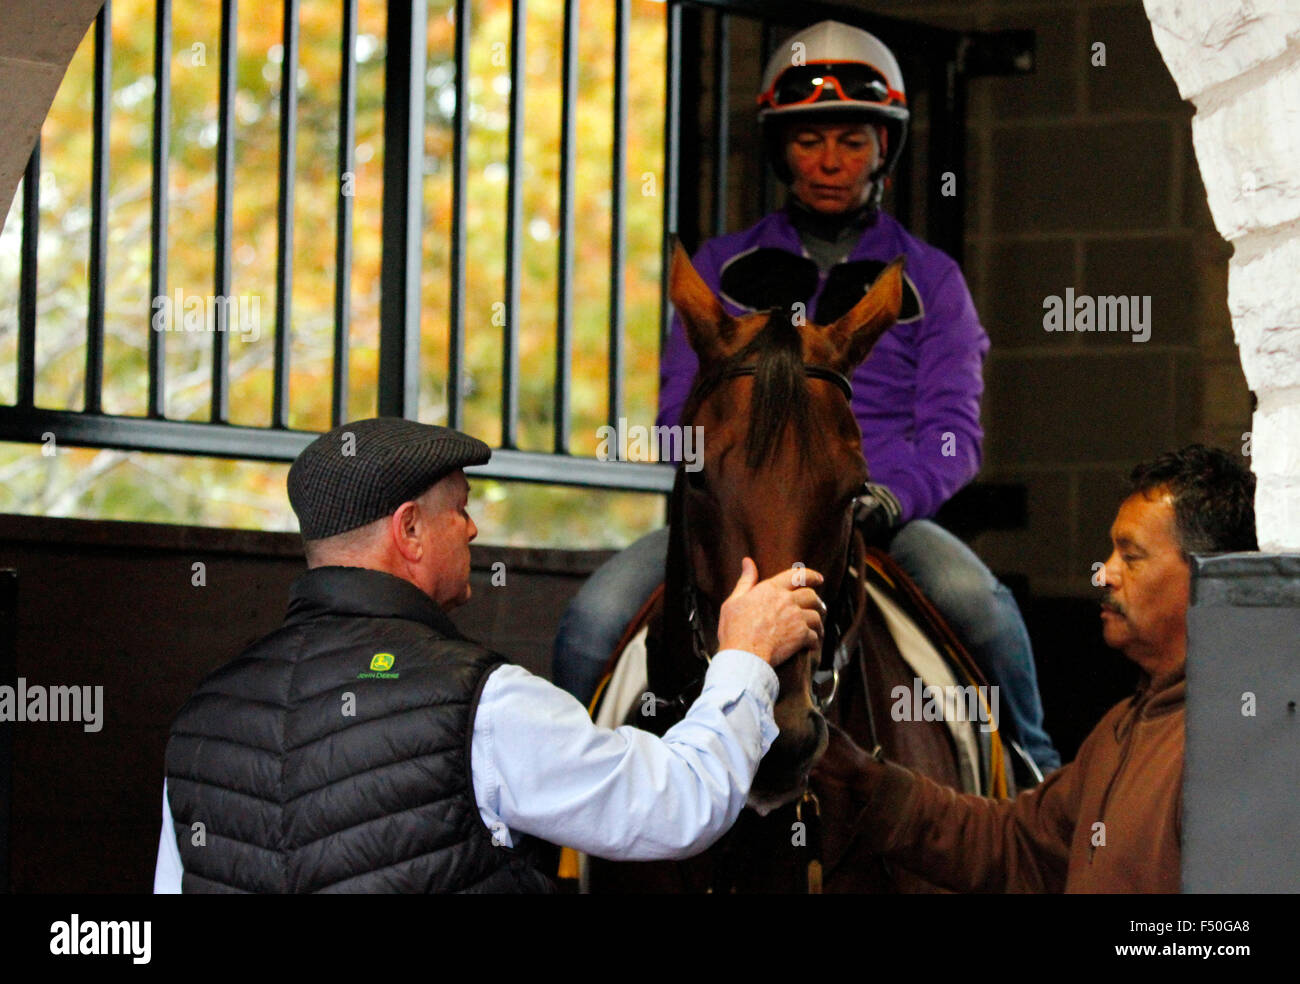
(773, 619)
(875, 513)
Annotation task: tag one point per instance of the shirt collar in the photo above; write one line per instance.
(828, 227)
(359, 591)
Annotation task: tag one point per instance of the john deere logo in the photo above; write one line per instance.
(380, 664)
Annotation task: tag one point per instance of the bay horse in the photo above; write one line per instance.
(781, 469)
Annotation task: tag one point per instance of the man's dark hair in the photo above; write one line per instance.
(1213, 495)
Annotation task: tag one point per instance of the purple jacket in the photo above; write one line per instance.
(916, 397)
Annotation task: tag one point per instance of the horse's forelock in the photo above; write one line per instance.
(780, 390)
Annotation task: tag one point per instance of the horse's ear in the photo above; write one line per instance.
(856, 332)
(708, 326)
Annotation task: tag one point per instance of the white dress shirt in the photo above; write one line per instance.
(541, 767)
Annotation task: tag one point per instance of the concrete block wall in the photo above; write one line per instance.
(1084, 175)
(1238, 61)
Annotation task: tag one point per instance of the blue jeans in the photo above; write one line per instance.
(979, 607)
(599, 613)
(983, 613)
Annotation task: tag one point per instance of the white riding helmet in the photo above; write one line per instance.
(833, 72)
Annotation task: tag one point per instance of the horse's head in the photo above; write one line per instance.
(782, 464)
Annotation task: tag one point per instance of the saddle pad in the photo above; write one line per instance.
(624, 688)
(626, 684)
(930, 667)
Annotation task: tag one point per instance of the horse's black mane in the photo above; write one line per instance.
(780, 392)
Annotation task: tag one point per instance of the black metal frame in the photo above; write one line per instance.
(8, 671)
(947, 59)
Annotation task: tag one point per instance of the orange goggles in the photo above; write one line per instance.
(801, 85)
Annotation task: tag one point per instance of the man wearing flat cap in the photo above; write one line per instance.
(367, 746)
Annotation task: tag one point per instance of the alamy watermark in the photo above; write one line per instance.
(926, 702)
(1110, 312)
(75, 937)
(25, 703)
(636, 442)
(200, 312)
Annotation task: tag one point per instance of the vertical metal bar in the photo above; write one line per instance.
(690, 200)
(27, 279)
(284, 216)
(721, 118)
(672, 159)
(764, 180)
(162, 111)
(97, 267)
(618, 221)
(8, 671)
(946, 152)
(564, 298)
(514, 219)
(399, 302)
(459, 243)
(219, 412)
(903, 179)
(343, 221)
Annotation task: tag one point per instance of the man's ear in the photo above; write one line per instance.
(858, 330)
(709, 328)
(404, 530)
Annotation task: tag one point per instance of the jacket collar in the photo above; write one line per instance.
(358, 591)
(1164, 693)
(1155, 698)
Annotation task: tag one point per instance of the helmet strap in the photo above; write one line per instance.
(878, 182)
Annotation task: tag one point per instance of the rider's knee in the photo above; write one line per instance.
(948, 571)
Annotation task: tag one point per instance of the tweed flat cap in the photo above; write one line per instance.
(362, 471)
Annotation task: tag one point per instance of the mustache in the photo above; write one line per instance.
(1108, 601)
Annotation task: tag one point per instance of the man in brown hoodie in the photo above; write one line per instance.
(1111, 820)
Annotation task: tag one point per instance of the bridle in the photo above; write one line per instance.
(854, 580)
(840, 381)
(849, 606)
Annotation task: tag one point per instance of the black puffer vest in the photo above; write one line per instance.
(334, 754)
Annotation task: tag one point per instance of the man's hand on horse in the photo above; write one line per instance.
(773, 619)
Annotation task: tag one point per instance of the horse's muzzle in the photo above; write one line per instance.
(783, 773)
